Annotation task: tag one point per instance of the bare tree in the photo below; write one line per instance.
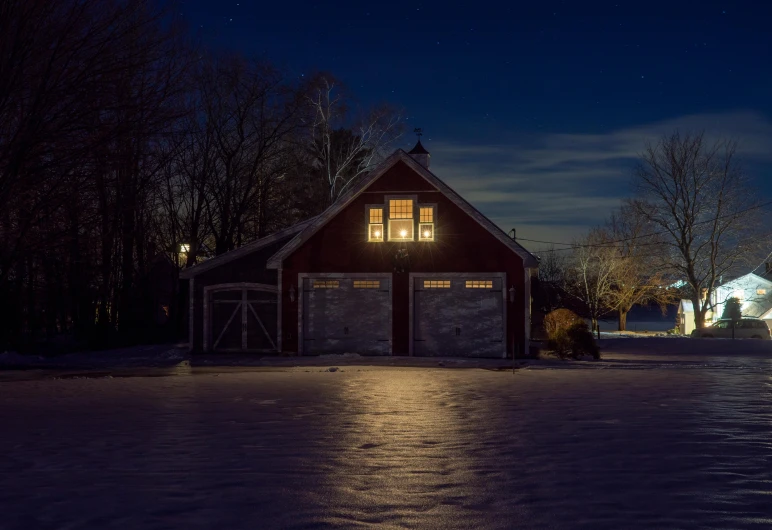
(116, 153)
(590, 276)
(343, 146)
(696, 194)
(254, 115)
(550, 293)
(182, 189)
(85, 86)
(636, 277)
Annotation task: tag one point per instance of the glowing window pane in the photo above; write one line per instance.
(375, 232)
(376, 215)
(367, 284)
(326, 284)
(401, 230)
(426, 215)
(426, 232)
(761, 292)
(479, 284)
(400, 209)
(436, 284)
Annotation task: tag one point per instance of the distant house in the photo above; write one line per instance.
(753, 291)
(400, 265)
(686, 316)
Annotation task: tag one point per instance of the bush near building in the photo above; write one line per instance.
(569, 335)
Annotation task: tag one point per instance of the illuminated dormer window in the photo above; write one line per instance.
(401, 220)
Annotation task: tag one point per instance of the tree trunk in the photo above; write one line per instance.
(699, 314)
(595, 326)
(622, 321)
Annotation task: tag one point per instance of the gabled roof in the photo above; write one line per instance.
(242, 251)
(529, 260)
(750, 276)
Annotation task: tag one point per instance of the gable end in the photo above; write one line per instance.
(529, 260)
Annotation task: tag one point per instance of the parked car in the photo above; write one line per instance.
(745, 328)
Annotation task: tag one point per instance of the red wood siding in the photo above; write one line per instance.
(461, 245)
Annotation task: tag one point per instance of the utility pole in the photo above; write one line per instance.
(511, 297)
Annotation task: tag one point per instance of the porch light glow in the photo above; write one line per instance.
(403, 233)
(377, 233)
(427, 234)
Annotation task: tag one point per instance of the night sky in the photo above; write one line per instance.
(533, 111)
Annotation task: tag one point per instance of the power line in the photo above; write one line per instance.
(571, 246)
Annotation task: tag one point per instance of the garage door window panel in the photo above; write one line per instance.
(436, 284)
(367, 284)
(479, 284)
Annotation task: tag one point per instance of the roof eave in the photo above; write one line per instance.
(242, 251)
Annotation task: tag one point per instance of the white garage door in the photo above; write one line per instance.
(459, 316)
(347, 315)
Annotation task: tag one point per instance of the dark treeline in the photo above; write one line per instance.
(126, 154)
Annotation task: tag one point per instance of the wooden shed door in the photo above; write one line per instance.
(459, 316)
(347, 315)
(243, 319)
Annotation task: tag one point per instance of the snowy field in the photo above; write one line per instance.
(640, 440)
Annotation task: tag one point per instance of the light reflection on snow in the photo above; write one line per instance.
(611, 448)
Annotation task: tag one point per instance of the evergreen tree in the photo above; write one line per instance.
(732, 309)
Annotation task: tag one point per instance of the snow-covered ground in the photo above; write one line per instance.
(682, 441)
(149, 355)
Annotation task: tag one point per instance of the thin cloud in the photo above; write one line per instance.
(556, 186)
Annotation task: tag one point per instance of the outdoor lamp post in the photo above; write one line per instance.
(512, 301)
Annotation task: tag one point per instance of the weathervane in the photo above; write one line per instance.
(418, 132)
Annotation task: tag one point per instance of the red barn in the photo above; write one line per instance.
(401, 265)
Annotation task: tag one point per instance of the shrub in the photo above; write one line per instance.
(582, 342)
(559, 343)
(574, 342)
(559, 321)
